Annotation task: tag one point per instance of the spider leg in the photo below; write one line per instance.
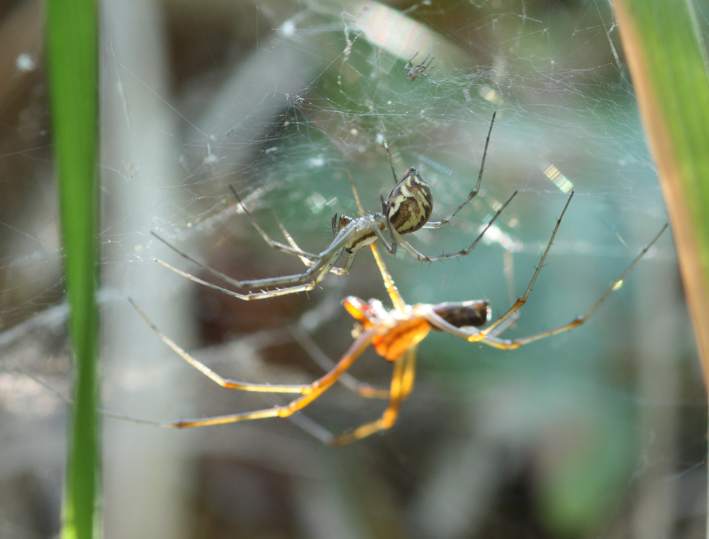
(339, 271)
(490, 338)
(402, 381)
(472, 334)
(226, 383)
(389, 244)
(349, 256)
(347, 266)
(391, 162)
(314, 391)
(393, 235)
(324, 362)
(307, 262)
(268, 287)
(476, 188)
(504, 326)
(312, 428)
(355, 194)
(390, 414)
(254, 283)
(409, 376)
(389, 284)
(522, 300)
(269, 241)
(463, 252)
(291, 284)
(512, 344)
(440, 323)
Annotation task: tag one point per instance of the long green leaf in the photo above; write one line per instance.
(73, 71)
(668, 64)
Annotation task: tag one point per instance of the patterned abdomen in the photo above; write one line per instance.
(409, 205)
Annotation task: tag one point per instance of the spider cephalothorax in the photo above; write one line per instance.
(339, 221)
(395, 331)
(409, 204)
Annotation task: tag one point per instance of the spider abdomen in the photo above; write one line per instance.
(409, 204)
(474, 313)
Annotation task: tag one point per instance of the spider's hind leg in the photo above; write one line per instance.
(522, 300)
(512, 344)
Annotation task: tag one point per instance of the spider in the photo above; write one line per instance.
(394, 334)
(413, 71)
(406, 209)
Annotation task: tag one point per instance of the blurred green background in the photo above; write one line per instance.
(596, 433)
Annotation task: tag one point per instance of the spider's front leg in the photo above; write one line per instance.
(421, 257)
(293, 249)
(476, 187)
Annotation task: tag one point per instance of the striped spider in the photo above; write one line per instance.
(394, 334)
(406, 209)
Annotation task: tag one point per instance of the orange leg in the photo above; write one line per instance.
(218, 379)
(313, 392)
(403, 371)
(321, 358)
(409, 376)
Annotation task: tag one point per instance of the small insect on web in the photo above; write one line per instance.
(394, 334)
(414, 71)
(406, 209)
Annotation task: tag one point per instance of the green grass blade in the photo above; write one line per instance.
(73, 71)
(668, 63)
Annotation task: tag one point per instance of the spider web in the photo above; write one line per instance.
(597, 429)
